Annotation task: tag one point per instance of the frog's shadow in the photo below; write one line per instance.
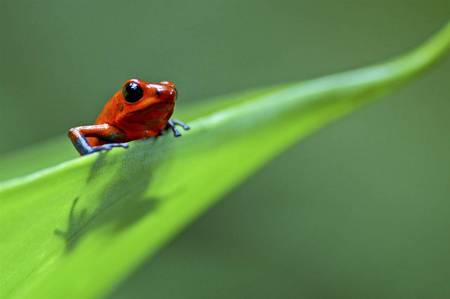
(112, 208)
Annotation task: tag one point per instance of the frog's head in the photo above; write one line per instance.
(146, 103)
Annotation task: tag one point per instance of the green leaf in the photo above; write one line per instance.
(77, 228)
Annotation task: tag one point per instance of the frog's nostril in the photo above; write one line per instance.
(173, 93)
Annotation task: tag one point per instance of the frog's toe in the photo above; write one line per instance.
(111, 145)
(186, 127)
(123, 144)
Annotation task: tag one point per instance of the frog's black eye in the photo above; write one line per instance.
(132, 92)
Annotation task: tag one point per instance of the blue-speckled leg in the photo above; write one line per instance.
(103, 132)
(84, 148)
(172, 123)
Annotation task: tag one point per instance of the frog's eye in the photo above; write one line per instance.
(132, 92)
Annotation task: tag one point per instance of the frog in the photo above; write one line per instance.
(138, 110)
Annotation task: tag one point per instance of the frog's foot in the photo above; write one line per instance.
(172, 123)
(177, 122)
(107, 147)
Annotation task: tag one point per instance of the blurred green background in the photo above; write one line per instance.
(360, 210)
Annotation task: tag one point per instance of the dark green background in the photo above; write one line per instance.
(359, 210)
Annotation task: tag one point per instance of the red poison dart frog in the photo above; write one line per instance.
(139, 110)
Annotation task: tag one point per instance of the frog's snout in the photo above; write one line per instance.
(171, 87)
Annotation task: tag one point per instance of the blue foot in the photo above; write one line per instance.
(108, 147)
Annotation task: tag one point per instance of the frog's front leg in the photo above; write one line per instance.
(172, 123)
(103, 132)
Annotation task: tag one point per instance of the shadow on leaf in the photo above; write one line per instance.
(113, 195)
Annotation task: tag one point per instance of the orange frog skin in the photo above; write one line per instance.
(139, 110)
